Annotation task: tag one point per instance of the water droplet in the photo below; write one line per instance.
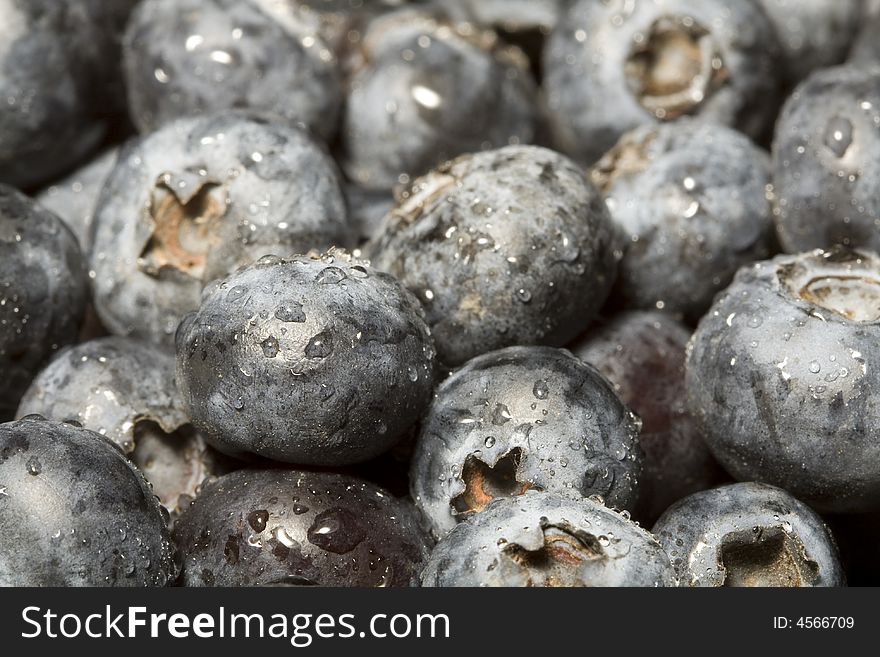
(412, 373)
(501, 415)
(320, 346)
(331, 276)
(270, 347)
(839, 135)
(236, 293)
(290, 312)
(336, 530)
(540, 389)
(34, 467)
(258, 519)
(523, 295)
(490, 441)
(815, 367)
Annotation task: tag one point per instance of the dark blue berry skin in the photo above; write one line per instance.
(783, 377)
(50, 69)
(196, 200)
(813, 34)
(75, 512)
(541, 539)
(642, 354)
(125, 390)
(187, 57)
(506, 247)
(299, 528)
(75, 198)
(748, 535)
(826, 161)
(43, 291)
(692, 201)
(311, 360)
(425, 91)
(523, 418)
(610, 67)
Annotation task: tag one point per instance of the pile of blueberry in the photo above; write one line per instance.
(443, 293)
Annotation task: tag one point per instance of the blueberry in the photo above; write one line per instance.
(610, 67)
(518, 419)
(642, 354)
(813, 34)
(311, 360)
(49, 70)
(43, 291)
(125, 391)
(426, 91)
(826, 161)
(185, 57)
(194, 201)
(75, 198)
(75, 512)
(782, 378)
(541, 539)
(263, 527)
(748, 534)
(691, 198)
(507, 247)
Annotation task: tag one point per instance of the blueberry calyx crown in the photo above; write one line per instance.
(840, 281)
(675, 67)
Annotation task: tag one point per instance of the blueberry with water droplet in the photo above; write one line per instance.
(43, 292)
(795, 408)
(512, 246)
(576, 406)
(175, 217)
(102, 515)
(333, 392)
(125, 390)
(749, 535)
(546, 540)
(826, 162)
(188, 57)
(316, 527)
(691, 199)
(610, 67)
(424, 91)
